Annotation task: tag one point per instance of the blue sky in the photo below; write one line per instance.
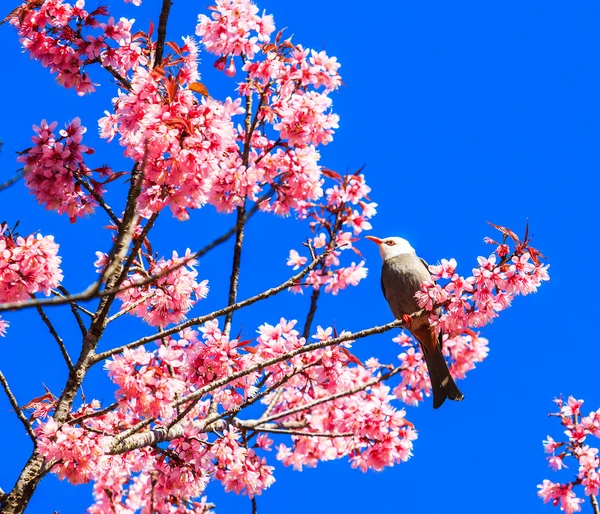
(462, 112)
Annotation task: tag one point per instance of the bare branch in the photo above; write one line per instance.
(311, 312)
(162, 32)
(74, 310)
(303, 433)
(61, 344)
(11, 181)
(115, 219)
(594, 503)
(95, 414)
(16, 408)
(235, 268)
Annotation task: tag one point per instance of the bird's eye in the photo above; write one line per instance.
(390, 243)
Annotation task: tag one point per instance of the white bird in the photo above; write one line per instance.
(401, 277)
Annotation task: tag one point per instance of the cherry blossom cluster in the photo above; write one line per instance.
(346, 207)
(277, 147)
(66, 38)
(235, 29)
(577, 429)
(28, 265)
(168, 288)
(55, 171)
(476, 300)
(363, 426)
(180, 141)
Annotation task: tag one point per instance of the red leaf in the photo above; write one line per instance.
(535, 255)
(151, 29)
(199, 88)
(174, 47)
(331, 174)
(356, 251)
(33, 403)
(505, 231)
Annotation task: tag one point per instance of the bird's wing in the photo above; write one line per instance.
(383, 287)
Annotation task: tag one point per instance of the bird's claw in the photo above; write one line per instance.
(407, 319)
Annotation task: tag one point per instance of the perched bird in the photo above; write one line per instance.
(401, 277)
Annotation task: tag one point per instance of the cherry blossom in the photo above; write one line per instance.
(170, 297)
(28, 265)
(578, 428)
(56, 173)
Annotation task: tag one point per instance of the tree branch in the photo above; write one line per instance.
(11, 181)
(162, 32)
(213, 315)
(235, 269)
(16, 408)
(594, 503)
(58, 339)
(311, 313)
(319, 401)
(162, 434)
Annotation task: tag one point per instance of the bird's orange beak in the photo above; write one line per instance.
(374, 239)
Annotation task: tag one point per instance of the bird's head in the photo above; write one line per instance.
(392, 246)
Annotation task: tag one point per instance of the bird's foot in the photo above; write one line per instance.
(407, 319)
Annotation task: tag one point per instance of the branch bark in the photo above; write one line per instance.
(235, 268)
(162, 31)
(594, 503)
(15, 405)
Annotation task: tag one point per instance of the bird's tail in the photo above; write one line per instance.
(442, 383)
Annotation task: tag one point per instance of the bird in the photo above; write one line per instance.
(402, 274)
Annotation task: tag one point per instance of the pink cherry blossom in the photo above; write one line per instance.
(578, 428)
(28, 265)
(55, 170)
(3, 326)
(170, 297)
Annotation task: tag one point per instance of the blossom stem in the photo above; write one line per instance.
(16, 408)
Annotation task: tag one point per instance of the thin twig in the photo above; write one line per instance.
(115, 219)
(60, 342)
(326, 399)
(130, 308)
(16, 408)
(213, 315)
(303, 433)
(254, 505)
(94, 414)
(594, 503)
(162, 32)
(11, 181)
(74, 308)
(63, 293)
(122, 80)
